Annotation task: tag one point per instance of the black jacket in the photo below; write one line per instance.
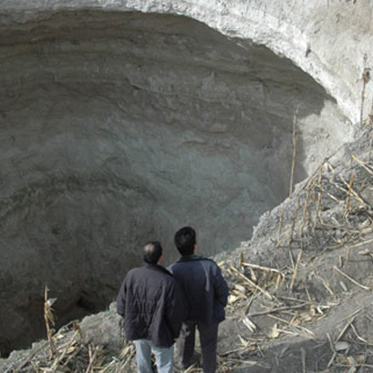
(204, 286)
(151, 302)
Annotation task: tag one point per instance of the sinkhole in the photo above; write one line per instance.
(119, 128)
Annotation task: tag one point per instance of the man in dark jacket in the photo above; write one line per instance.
(207, 293)
(150, 300)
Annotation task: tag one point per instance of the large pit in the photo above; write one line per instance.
(117, 128)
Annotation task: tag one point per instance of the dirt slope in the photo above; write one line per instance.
(301, 289)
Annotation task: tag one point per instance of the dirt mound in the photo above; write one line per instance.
(301, 288)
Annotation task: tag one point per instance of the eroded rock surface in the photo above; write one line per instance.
(122, 121)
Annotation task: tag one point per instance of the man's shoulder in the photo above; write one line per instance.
(157, 273)
(134, 272)
(206, 261)
(137, 272)
(195, 262)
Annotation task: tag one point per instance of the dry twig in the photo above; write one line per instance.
(251, 283)
(49, 321)
(295, 270)
(294, 139)
(350, 278)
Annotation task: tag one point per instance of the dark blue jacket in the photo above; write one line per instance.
(152, 304)
(204, 286)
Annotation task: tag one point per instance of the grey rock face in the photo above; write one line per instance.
(120, 122)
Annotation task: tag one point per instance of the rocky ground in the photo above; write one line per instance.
(300, 290)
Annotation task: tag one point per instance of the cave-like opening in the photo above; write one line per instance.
(117, 128)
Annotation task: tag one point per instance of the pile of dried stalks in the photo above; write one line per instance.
(331, 215)
(65, 351)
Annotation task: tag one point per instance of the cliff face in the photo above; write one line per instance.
(121, 121)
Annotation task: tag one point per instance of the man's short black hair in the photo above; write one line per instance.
(152, 252)
(185, 240)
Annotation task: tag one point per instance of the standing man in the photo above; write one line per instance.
(150, 300)
(207, 293)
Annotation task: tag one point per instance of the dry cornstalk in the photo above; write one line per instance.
(340, 244)
(253, 275)
(334, 354)
(362, 164)
(72, 356)
(327, 287)
(294, 220)
(49, 321)
(132, 352)
(371, 137)
(92, 358)
(279, 309)
(314, 173)
(242, 259)
(294, 326)
(295, 270)
(335, 199)
(350, 278)
(343, 331)
(320, 177)
(294, 139)
(280, 229)
(125, 350)
(306, 205)
(359, 244)
(350, 316)
(288, 332)
(305, 209)
(256, 266)
(279, 278)
(64, 353)
(318, 208)
(291, 258)
(371, 111)
(351, 191)
(341, 226)
(108, 366)
(249, 324)
(366, 252)
(77, 328)
(307, 292)
(348, 203)
(365, 78)
(245, 362)
(252, 283)
(292, 299)
(358, 336)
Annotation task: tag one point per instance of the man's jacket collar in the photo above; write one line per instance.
(158, 267)
(190, 258)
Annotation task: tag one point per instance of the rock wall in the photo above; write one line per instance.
(121, 121)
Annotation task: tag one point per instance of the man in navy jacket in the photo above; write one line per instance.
(207, 293)
(151, 302)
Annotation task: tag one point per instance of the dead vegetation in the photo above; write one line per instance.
(324, 256)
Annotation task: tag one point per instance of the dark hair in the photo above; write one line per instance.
(185, 239)
(152, 252)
